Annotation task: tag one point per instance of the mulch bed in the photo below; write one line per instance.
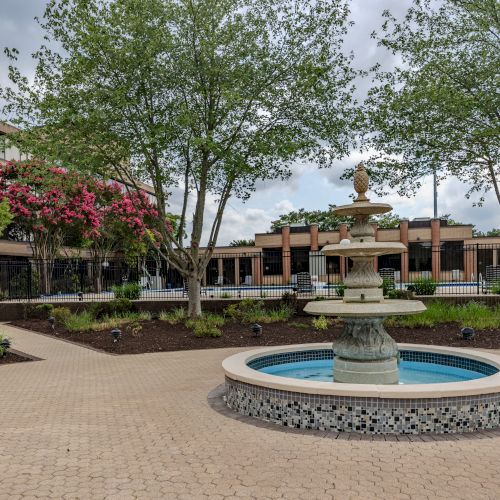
(157, 336)
(11, 357)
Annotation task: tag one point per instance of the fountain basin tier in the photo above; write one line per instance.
(364, 309)
(440, 407)
(362, 208)
(364, 249)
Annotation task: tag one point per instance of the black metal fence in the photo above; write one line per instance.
(453, 268)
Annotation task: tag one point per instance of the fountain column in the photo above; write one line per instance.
(365, 352)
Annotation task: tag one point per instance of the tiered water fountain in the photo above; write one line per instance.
(365, 382)
(365, 354)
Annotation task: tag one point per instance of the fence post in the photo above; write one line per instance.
(261, 272)
(30, 275)
(477, 268)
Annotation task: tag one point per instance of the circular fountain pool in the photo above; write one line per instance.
(441, 390)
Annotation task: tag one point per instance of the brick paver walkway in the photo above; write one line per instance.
(83, 424)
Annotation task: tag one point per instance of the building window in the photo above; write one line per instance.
(391, 261)
(452, 255)
(272, 261)
(420, 257)
(300, 260)
(332, 264)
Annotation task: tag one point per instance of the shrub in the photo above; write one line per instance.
(225, 295)
(473, 314)
(45, 309)
(423, 286)
(113, 307)
(131, 291)
(175, 316)
(207, 325)
(253, 311)
(387, 286)
(82, 322)
(339, 289)
(135, 328)
(320, 323)
(4, 345)
(495, 287)
(400, 294)
(289, 299)
(61, 314)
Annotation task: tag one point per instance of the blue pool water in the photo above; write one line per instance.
(410, 372)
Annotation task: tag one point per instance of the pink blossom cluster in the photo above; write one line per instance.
(48, 199)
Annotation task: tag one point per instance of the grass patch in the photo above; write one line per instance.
(254, 311)
(320, 323)
(473, 314)
(85, 321)
(175, 316)
(207, 325)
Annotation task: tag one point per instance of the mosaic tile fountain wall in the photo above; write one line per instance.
(362, 414)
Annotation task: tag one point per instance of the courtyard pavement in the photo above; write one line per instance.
(87, 425)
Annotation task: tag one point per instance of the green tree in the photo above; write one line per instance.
(328, 221)
(208, 95)
(438, 111)
(491, 232)
(6, 215)
(242, 243)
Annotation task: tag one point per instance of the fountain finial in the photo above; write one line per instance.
(361, 182)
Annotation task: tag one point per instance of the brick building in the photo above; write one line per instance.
(435, 249)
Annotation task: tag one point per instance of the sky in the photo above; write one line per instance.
(309, 187)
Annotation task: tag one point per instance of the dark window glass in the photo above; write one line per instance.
(484, 259)
(228, 266)
(300, 260)
(212, 272)
(272, 261)
(420, 256)
(333, 264)
(452, 255)
(391, 261)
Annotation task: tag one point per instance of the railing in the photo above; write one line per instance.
(456, 269)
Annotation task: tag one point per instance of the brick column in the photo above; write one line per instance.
(285, 249)
(314, 232)
(436, 247)
(403, 238)
(470, 262)
(220, 269)
(256, 270)
(343, 260)
(237, 271)
(375, 234)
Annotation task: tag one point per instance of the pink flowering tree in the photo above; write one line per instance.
(46, 202)
(126, 225)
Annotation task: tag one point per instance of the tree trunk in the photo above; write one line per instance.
(45, 275)
(97, 276)
(194, 296)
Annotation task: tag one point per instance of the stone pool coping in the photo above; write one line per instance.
(235, 368)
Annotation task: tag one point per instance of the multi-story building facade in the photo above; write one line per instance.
(435, 249)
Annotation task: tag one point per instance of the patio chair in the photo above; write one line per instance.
(492, 278)
(304, 283)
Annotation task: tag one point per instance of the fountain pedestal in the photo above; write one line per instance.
(365, 352)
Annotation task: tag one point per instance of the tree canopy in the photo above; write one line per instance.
(242, 243)
(205, 96)
(439, 110)
(329, 221)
